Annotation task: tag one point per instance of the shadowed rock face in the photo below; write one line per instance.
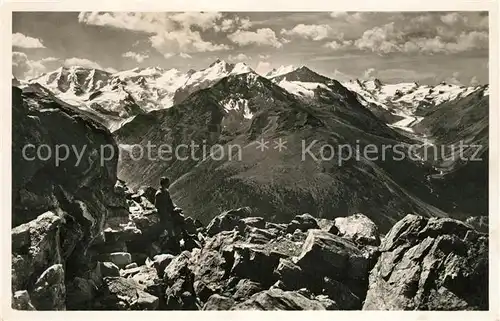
(430, 264)
(59, 209)
(80, 187)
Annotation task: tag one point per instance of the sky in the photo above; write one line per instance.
(426, 47)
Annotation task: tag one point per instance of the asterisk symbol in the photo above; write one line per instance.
(262, 144)
(280, 144)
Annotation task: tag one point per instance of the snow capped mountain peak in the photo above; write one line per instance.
(218, 70)
(126, 93)
(372, 84)
(75, 79)
(280, 71)
(220, 63)
(302, 74)
(405, 97)
(241, 68)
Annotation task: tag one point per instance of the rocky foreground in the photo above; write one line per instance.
(82, 240)
(241, 262)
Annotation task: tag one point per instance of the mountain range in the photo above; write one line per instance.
(230, 104)
(123, 95)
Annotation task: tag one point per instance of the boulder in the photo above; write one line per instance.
(278, 285)
(259, 236)
(276, 299)
(342, 296)
(325, 224)
(190, 242)
(480, 223)
(358, 228)
(148, 280)
(223, 241)
(430, 264)
(49, 291)
(191, 225)
(120, 259)
(254, 263)
(210, 268)
(303, 222)
(328, 303)
(128, 273)
(21, 301)
(327, 255)
(118, 230)
(218, 302)
(179, 280)
(255, 221)
(105, 269)
(276, 226)
(245, 289)
(80, 293)
(178, 267)
(35, 247)
(226, 221)
(241, 212)
(161, 261)
(291, 275)
(124, 294)
(148, 192)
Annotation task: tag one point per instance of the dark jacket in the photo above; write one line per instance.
(164, 204)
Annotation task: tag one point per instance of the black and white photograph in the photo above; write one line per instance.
(250, 160)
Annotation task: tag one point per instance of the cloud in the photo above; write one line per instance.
(264, 56)
(187, 41)
(379, 39)
(263, 68)
(168, 55)
(22, 41)
(453, 18)
(338, 45)
(185, 55)
(338, 14)
(136, 56)
(474, 40)
(49, 59)
(245, 23)
(86, 63)
(135, 21)
(416, 37)
(369, 73)
(312, 32)
(260, 37)
(230, 25)
(239, 57)
(168, 32)
(226, 25)
(23, 68)
(474, 81)
(349, 17)
(203, 20)
(422, 19)
(454, 79)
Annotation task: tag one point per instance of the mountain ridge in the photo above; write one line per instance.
(125, 94)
